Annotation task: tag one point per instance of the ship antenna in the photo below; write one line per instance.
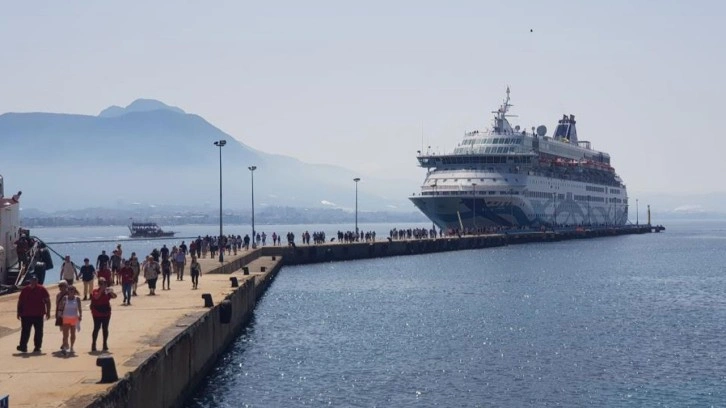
(502, 111)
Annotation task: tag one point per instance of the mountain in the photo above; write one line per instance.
(151, 153)
(139, 105)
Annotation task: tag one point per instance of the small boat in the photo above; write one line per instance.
(148, 230)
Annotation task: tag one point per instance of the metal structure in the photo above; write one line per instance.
(252, 174)
(220, 144)
(357, 179)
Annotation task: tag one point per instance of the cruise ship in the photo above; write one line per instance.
(509, 177)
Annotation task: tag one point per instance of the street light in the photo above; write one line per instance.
(220, 144)
(636, 212)
(252, 174)
(357, 179)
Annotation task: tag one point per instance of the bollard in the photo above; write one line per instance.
(274, 257)
(235, 283)
(108, 369)
(207, 300)
(225, 311)
(245, 270)
(262, 269)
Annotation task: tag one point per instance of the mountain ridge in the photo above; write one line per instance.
(139, 105)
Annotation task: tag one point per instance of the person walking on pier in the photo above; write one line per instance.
(180, 260)
(126, 274)
(166, 274)
(102, 260)
(62, 292)
(195, 269)
(136, 267)
(68, 270)
(151, 274)
(71, 313)
(33, 303)
(115, 266)
(88, 274)
(101, 312)
(104, 273)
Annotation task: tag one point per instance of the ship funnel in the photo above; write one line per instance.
(566, 130)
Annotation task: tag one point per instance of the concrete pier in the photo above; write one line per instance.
(162, 345)
(383, 247)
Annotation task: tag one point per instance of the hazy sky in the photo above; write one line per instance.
(360, 84)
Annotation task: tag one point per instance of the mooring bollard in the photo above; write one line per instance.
(274, 257)
(263, 269)
(235, 283)
(108, 369)
(207, 300)
(245, 270)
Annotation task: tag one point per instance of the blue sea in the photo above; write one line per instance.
(620, 321)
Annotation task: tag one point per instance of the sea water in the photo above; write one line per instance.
(620, 321)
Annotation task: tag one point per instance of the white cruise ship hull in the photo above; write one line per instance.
(538, 202)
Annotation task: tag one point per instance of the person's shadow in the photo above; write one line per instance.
(60, 354)
(28, 355)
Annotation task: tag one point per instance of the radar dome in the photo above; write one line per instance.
(541, 130)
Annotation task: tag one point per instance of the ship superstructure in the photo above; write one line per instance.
(507, 176)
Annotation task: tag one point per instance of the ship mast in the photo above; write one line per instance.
(501, 124)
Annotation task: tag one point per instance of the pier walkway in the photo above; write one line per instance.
(136, 332)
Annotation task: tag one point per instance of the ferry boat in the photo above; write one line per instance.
(148, 230)
(509, 177)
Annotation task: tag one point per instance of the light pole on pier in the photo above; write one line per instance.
(637, 221)
(220, 144)
(252, 175)
(357, 179)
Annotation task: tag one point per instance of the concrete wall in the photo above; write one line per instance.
(305, 254)
(168, 377)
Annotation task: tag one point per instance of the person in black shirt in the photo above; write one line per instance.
(88, 274)
(164, 252)
(155, 254)
(102, 260)
(115, 266)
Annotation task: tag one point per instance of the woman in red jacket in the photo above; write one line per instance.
(101, 311)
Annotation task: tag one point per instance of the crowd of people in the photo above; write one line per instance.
(98, 279)
(34, 303)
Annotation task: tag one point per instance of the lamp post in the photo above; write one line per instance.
(357, 179)
(220, 144)
(473, 212)
(636, 212)
(252, 174)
